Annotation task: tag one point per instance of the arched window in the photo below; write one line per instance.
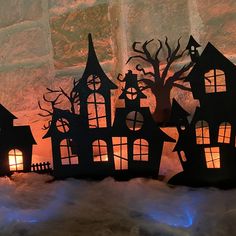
(96, 111)
(140, 150)
(15, 160)
(68, 153)
(215, 81)
(100, 152)
(202, 132)
(224, 132)
(212, 156)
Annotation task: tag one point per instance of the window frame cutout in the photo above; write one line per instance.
(202, 132)
(224, 133)
(215, 81)
(15, 157)
(120, 152)
(134, 120)
(96, 111)
(141, 150)
(68, 158)
(212, 157)
(100, 150)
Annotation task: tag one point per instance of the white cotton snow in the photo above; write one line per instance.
(31, 205)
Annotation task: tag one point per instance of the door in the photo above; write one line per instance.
(120, 150)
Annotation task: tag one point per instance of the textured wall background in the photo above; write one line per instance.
(43, 43)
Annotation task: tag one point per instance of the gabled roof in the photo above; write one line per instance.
(210, 56)
(4, 113)
(18, 135)
(177, 112)
(58, 113)
(192, 42)
(93, 67)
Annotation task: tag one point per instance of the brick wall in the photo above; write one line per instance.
(43, 43)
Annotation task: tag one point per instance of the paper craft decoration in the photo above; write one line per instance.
(15, 145)
(207, 144)
(86, 143)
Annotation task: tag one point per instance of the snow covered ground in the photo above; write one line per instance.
(30, 205)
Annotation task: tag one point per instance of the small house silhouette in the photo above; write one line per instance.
(15, 145)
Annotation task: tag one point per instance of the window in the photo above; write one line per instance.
(134, 120)
(193, 50)
(68, 152)
(224, 132)
(202, 132)
(212, 156)
(96, 111)
(94, 82)
(215, 81)
(182, 156)
(120, 149)
(100, 150)
(62, 125)
(140, 150)
(131, 93)
(15, 160)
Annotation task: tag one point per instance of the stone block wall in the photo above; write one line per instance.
(43, 43)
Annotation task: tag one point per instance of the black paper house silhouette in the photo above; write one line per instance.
(137, 140)
(207, 145)
(15, 145)
(86, 144)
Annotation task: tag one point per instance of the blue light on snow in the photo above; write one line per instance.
(182, 218)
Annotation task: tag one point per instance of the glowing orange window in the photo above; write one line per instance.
(100, 150)
(202, 132)
(224, 132)
(96, 111)
(15, 160)
(120, 149)
(215, 81)
(68, 155)
(140, 150)
(212, 156)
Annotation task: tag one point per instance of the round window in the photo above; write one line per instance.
(93, 82)
(134, 120)
(131, 93)
(62, 125)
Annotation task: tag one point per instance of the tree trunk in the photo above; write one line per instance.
(163, 105)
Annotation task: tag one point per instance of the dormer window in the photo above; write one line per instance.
(215, 81)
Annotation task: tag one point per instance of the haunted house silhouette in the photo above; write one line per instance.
(87, 144)
(15, 145)
(207, 145)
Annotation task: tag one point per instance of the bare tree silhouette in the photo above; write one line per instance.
(159, 80)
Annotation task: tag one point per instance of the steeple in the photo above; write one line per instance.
(94, 89)
(131, 93)
(192, 48)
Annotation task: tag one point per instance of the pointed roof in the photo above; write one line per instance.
(212, 57)
(93, 67)
(192, 42)
(4, 113)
